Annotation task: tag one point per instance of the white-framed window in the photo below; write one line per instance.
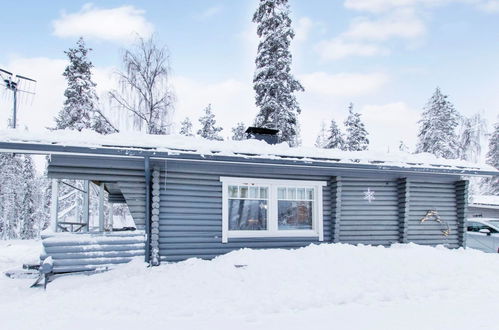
(271, 208)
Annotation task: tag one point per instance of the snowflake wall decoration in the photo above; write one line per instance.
(369, 195)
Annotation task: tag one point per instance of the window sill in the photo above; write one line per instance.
(269, 234)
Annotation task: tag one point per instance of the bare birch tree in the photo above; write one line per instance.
(145, 91)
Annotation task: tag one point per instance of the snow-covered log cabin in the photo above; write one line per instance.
(198, 198)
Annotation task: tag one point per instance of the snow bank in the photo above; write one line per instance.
(248, 148)
(321, 286)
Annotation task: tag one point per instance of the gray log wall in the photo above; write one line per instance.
(190, 203)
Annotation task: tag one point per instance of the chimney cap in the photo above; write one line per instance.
(262, 130)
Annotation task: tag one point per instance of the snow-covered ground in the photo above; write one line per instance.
(317, 287)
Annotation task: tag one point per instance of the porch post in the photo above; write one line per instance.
(147, 177)
(101, 207)
(86, 188)
(54, 207)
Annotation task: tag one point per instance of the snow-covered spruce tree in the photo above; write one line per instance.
(356, 132)
(403, 147)
(10, 183)
(335, 139)
(208, 129)
(28, 207)
(80, 110)
(146, 93)
(471, 131)
(320, 140)
(186, 127)
(239, 132)
(493, 160)
(273, 82)
(437, 127)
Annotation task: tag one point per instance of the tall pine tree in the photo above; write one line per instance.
(320, 140)
(239, 132)
(437, 127)
(335, 139)
(80, 110)
(273, 82)
(356, 132)
(493, 160)
(186, 127)
(209, 130)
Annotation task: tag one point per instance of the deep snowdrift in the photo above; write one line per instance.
(324, 287)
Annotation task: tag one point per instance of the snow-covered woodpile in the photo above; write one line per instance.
(77, 252)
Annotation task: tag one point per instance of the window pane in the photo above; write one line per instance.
(281, 193)
(263, 193)
(310, 193)
(243, 192)
(253, 192)
(294, 215)
(247, 214)
(300, 193)
(233, 191)
(291, 193)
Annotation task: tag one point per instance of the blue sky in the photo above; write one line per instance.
(385, 56)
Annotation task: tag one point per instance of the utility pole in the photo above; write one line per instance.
(12, 83)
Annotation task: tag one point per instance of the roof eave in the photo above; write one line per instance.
(43, 148)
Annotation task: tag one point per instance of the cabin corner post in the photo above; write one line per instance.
(154, 228)
(462, 187)
(336, 208)
(147, 222)
(403, 208)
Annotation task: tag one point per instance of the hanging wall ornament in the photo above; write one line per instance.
(369, 195)
(432, 215)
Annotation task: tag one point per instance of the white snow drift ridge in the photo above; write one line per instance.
(321, 286)
(248, 148)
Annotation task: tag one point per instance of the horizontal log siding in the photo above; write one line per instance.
(128, 174)
(369, 223)
(426, 196)
(191, 215)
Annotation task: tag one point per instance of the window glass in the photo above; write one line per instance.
(281, 193)
(248, 207)
(243, 192)
(253, 192)
(247, 214)
(263, 192)
(295, 208)
(233, 192)
(294, 215)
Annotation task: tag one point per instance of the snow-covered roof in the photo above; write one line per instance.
(489, 200)
(176, 144)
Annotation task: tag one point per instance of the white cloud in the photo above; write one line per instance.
(302, 28)
(121, 24)
(337, 48)
(399, 24)
(378, 6)
(491, 6)
(343, 84)
(385, 5)
(388, 124)
(38, 111)
(232, 101)
(210, 12)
